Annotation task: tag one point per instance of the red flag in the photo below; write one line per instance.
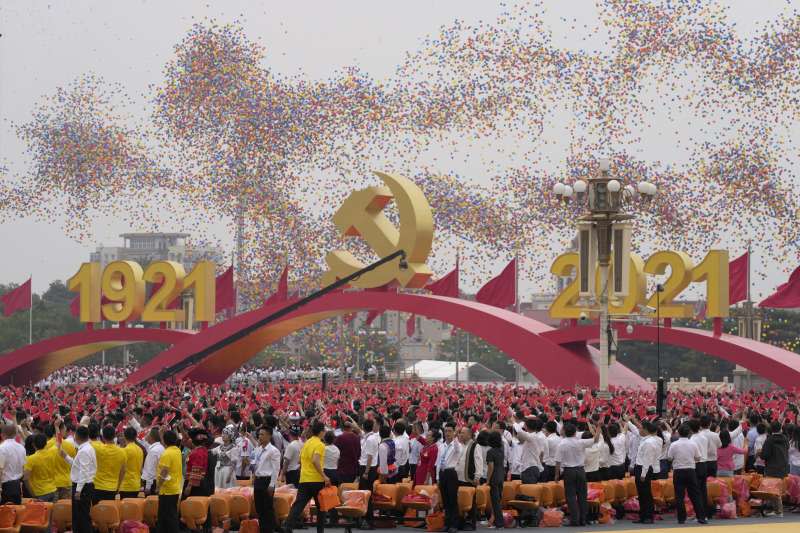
(17, 299)
(446, 286)
(282, 293)
(225, 290)
(411, 325)
(738, 278)
(501, 290)
(787, 295)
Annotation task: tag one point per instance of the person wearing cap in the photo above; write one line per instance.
(291, 457)
(312, 478)
(228, 456)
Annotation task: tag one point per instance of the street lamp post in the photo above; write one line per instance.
(603, 229)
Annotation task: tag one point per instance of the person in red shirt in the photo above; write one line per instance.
(426, 469)
(349, 445)
(197, 467)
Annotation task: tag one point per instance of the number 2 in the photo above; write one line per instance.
(564, 304)
(170, 275)
(680, 276)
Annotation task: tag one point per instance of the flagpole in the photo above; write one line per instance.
(749, 257)
(30, 314)
(516, 280)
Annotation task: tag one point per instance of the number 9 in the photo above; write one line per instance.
(123, 285)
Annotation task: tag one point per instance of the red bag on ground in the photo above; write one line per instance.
(8, 515)
(134, 526)
(727, 510)
(249, 526)
(508, 519)
(793, 488)
(435, 521)
(689, 507)
(594, 495)
(551, 518)
(606, 514)
(631, 505)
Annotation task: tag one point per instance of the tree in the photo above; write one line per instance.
(480, 351)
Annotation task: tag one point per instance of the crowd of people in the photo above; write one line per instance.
(94, 374)
(252, 375)
(177, 439)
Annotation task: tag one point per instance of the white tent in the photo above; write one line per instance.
(433, 370)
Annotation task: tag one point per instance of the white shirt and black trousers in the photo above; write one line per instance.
(448, 482)
(644, 471)
(571, 456)
(12, 457)
(83, 468)
(684, 455)
(265, 473)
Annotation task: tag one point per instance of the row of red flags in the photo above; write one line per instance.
(500, 291)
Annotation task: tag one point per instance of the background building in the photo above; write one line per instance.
(144, 248)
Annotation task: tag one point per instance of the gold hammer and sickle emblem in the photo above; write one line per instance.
(361, 215)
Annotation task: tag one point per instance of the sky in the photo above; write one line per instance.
(47, 44)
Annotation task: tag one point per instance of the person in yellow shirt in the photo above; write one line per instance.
(57, 432)
(110, 467)
(312, 478)
(134, 459)
(39, 468)
(170, 483)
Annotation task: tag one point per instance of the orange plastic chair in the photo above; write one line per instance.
(238, 507)
(548, 495)
(19, 511)
(482, 498)
(713, 492)
(132, 509)
(630, 487)
(351, 513)
(150, 511)
(509, 492)
(403, 489)
(244, 483)
(28, 524)
(194, 512)
(466, 496)
(282, 503)
(531, 491)
(62, 515)
(220, 514)
(105, 517)
(389, 491)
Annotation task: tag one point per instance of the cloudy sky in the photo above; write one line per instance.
(47, 44)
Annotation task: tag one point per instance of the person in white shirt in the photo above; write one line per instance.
(401, 449)
(291, 458)
(570, 458)
(700, 469)
(368, 464)
(714, 444)
(228, 456)
(266, 466)
(591, 464)
(150, 467)
(414, 449)
(533, 449)
(646, 467)
(552, 438)
(83, 468)
(666, 435)
(448, 459)
(12, 465)
(387, 457)
(685, 455)
(616, 460)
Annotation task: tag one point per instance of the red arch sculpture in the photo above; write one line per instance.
(37, 361)
(520, 337)
(780, 366)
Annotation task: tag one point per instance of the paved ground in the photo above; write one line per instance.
(790, 523)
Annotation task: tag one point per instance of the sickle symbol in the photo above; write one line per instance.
(361, 214)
